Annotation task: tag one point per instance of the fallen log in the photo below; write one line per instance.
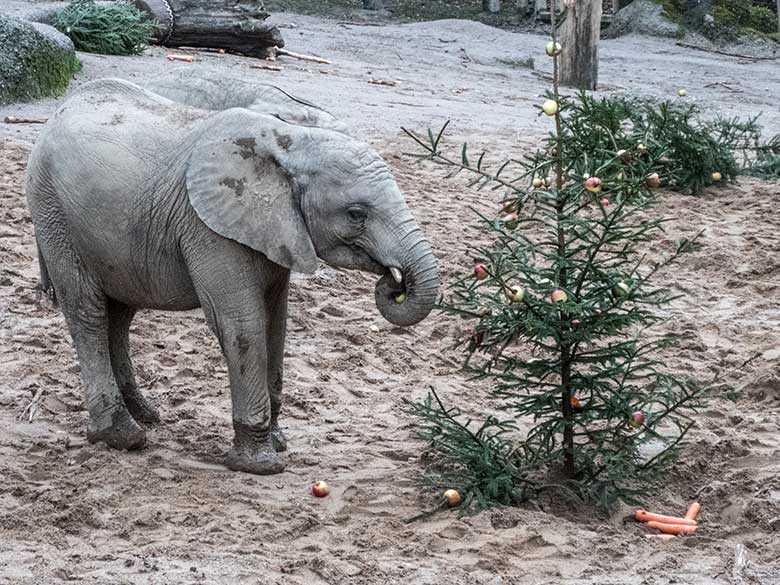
(15, 120)
(237, 26)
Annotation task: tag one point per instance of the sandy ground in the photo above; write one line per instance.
(70, 511)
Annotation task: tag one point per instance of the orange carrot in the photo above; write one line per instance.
(645, 516)
(672, 528)
(185, 58)
(660, 536)
(693, 511)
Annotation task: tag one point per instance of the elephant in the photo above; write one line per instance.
(140, 202)
(210, 90)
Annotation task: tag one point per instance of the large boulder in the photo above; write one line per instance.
(642, 17)
(36, 61)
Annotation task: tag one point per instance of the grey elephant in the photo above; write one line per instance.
(142, 202)
(212, 90)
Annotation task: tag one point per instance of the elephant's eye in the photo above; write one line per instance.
(356, 215)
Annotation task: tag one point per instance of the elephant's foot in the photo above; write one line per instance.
(278, 439)
(254, 452)
(121, 433)
(140, 408)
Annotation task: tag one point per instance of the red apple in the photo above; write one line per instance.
(559, 296)
(320, 489)
(604, 202)
(575, 322)
(452, 497)
(593, 184)
(576, 405)
(637, 419)
(481, 272)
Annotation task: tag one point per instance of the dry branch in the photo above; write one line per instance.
(717, 52)
(302, 57)
(267, 67)
(15, 120)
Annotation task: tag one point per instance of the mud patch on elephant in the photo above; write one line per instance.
(247, 146)
(237, 185)
(283, 140)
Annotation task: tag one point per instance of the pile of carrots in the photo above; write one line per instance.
(670, 525)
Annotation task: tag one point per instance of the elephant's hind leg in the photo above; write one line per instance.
(119, 318)
(86, 312)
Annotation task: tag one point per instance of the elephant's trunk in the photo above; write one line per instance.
(411, 300)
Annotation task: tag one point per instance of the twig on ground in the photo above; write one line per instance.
(15, 120)
(32, 406)
(384, 82)
(183, 58)
(302, 57)
(267, 67)
(717, 52)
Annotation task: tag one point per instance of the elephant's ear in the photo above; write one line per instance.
(239, 187)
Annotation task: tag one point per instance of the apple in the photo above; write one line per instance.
(481, 272)
(576, 405)
(320, 489)
(637, 419)
(575, 322)
(621, 290)
(516, 294)
(683, 92)
(593, 184)
(604, 202)
(717, 177)
(538, 182)
(550, 107)
(452, 497)
(548, 182)
(559, 296)
(653, 180)
(553, 49)
(400, 298)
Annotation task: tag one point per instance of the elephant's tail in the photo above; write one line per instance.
(45, 287)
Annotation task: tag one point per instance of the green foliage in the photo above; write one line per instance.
(32, 65)
(766, 163)
(109, 29)
(763, 19)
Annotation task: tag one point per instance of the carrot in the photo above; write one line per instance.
(185, 58)
(645, 516)
(660, 536)
(672, 528)
(693, 511)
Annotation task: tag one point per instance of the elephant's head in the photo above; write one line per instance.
(295, 193)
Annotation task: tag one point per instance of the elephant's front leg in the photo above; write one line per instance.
(276, 311)
(245, 348)
(235, 308)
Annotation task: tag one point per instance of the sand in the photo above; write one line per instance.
(75, 512)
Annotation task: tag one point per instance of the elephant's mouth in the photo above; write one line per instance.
(392, 286)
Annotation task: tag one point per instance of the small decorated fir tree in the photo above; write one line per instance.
(563, 302)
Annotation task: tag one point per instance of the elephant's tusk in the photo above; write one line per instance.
(397, 276)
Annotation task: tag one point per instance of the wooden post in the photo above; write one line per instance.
(579, 36)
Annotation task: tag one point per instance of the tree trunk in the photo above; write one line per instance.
(491, 6)
(580, 39)
(235, 25)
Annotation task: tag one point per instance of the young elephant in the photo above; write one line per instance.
(140, 202)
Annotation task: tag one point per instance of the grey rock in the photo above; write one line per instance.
(642, 17)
